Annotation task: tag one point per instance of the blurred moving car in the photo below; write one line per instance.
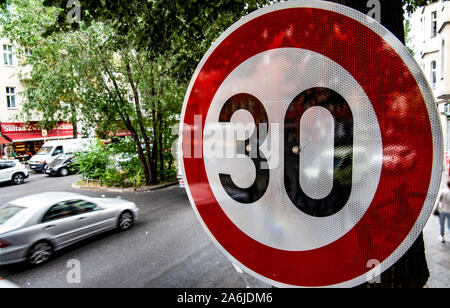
(63, 165)
(34, 227)
(5, 284)
(13, 171)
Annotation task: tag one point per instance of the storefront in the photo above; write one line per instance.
(27, 138)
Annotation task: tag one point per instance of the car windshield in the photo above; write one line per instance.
(65, 156)
(45, 151)
(10, 214)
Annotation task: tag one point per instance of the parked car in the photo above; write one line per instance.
(13, 171)
(63, 165)
(51, 149)
(34, 227)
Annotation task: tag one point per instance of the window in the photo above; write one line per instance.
(433, 24)
(68, 208)
(7, 165)
(9, 211)
(58, 150)
(11, 97)
(8, 55)
(45, 151)
(58, 211)
(433, 74)
(82, 206)
(443, 60)
(448, 134)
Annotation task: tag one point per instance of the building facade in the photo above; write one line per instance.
(25, 137)
(430, 40)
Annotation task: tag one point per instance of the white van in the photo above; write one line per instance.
(51, 149)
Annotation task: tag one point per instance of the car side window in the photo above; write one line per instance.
(58, 151)
(58, 211)
(7, 165)
(82, 206)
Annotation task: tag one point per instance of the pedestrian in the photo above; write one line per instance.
(443, 211)
(7, 151)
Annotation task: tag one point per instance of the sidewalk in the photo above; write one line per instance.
(438, 255)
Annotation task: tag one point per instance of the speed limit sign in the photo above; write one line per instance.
(312, 148)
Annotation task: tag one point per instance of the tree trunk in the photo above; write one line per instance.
(75, 130)
(411, 271)
(160, 145)
(74, 121)
(137, 106)
(141, 155)
(154, 158)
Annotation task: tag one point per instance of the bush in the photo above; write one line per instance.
(99, 162)
(93, 162)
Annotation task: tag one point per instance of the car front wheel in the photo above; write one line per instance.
(64, 172)
(125, 221)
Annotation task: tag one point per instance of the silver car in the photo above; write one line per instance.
(34, 227)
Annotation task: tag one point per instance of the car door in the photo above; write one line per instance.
(56, 152)
(59, 224)
(91, 218)
(3, 171)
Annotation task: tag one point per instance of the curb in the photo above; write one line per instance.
(125, 190)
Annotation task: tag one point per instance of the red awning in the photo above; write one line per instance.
(21, 132)
(4, 141)
(36, 136)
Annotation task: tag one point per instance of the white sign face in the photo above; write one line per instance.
(285, 73)
(303, 129)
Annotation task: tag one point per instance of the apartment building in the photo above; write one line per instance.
(430, 40)
(24, 137)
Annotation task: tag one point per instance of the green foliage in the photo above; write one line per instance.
(93, 162)
(95, 75)
(408, 39)
(412, 5)
(99, 162)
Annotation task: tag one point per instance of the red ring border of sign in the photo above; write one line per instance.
(335, 264)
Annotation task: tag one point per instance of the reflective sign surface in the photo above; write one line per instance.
(312, 145)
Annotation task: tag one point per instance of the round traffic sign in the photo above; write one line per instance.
(312, 147)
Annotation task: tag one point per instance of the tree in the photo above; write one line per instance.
(186, 29)
(84, 74)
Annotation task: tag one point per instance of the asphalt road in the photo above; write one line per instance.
(166, 248)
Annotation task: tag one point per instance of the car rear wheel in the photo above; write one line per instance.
(40, 253)
(125, 221)
(18, 178)
(64, 172)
